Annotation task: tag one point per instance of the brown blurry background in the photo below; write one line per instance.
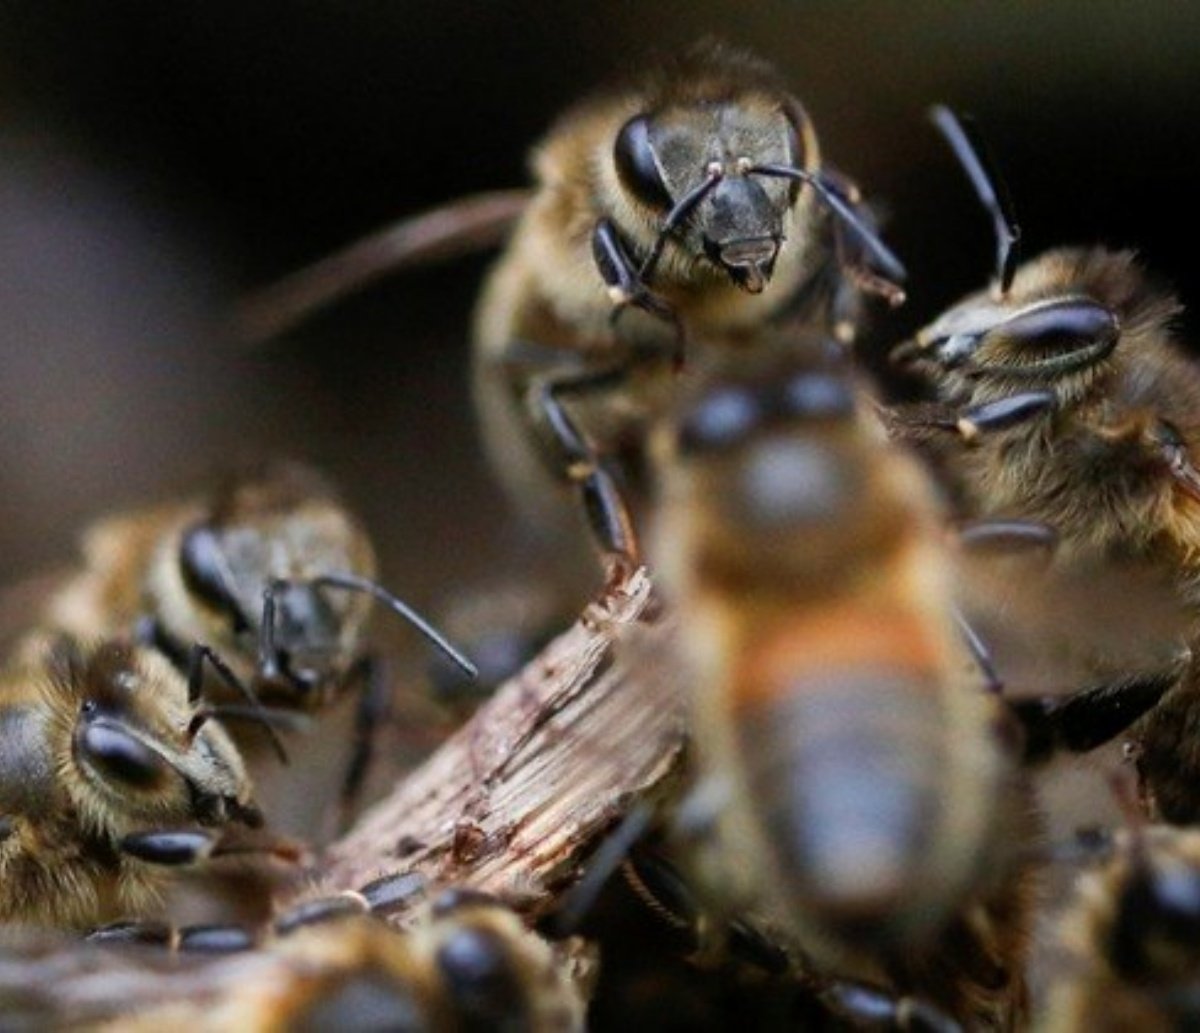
(156, 159)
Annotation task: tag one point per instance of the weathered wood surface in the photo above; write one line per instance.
(513, 802)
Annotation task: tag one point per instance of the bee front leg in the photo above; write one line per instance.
(174, 848)
(855, 240)
(369, 674)
(206, 939)
(604, 505)
(141, 934)
(322, 909)
(170, 847)
(625, 285)
(975, 421)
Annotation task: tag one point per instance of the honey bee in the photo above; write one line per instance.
(111, 770)
(468, 964)
(270, 569)
(1132, 933)
(850, 752)
(1080, 340)
(693, 204)
(805, 559)
(681, 198)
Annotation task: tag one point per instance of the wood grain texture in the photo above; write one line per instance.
(515, 800)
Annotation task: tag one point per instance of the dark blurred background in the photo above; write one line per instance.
(157, 159)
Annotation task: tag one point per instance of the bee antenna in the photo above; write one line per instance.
(974, 155)
(199, 653)
(355, 583)
(889, 264)
(674, 217)
(265, 716)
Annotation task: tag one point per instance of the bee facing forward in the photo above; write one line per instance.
(689, 206)
(271, 569)
(108, 763)
(696, 198)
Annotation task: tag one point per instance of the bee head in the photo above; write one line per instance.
(282, 526)
(135, 743)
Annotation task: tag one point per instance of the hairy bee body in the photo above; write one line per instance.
(466, 966)
(197, 570)
(1095, 467)
(1130, 933)
(1112, 463)
(873, 797)
(756, 249)
(100, 742)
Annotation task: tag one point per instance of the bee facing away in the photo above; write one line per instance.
(110, 768)
(872, 798)
(467, 964)
(271, 569)
(1105, 450)
(696, 198)
(1133, 936)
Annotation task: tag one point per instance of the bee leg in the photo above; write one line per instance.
(660, 886)
(854, 241)
(373, 712)
(872, 1007)
(215, 939)
(323, 909)
(1001, 414)
(142, 934)
(625, 285)
(923, 421)
(607, 512)
(391, 893)
(170, 847)
(1090, 717)
(979, 652)
(195, 679)
(609, 856)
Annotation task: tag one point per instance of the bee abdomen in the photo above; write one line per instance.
(849, 775)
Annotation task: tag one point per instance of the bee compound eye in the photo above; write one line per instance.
(115, 754)
(637, 167)
(479, 975)
(204, 572)
(722, 419)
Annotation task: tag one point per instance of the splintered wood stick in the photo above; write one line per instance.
(516, 799)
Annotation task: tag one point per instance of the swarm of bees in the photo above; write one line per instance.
(667, 349)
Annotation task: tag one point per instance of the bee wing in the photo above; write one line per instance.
(461, 227)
